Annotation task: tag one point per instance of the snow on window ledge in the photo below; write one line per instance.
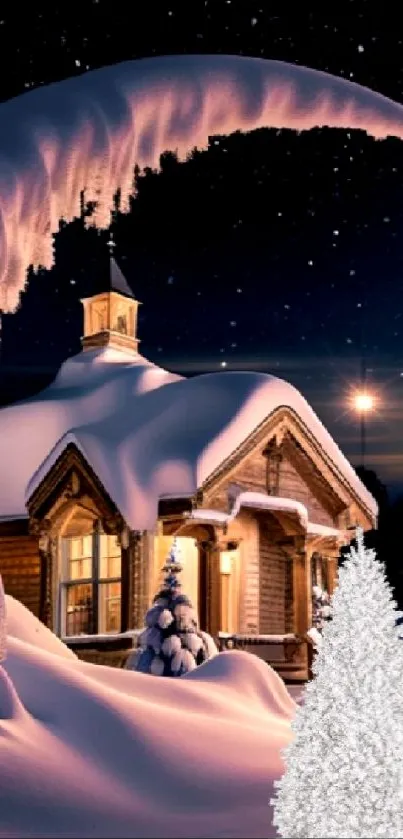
(97, 639)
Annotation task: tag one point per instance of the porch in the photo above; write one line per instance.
(253, 576)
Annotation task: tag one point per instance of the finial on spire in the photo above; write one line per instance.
(111, 244)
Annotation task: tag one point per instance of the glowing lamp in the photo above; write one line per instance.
(225, 562)
(363, 402)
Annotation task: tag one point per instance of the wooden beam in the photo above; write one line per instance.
(301, 588)
(332, 569)
(213, 591)
(14, 528)
(174, 507)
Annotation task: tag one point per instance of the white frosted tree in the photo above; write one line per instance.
(344, 766)
(3, 622)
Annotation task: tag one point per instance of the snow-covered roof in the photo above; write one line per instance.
(256, 501)
(259, 501)
(323, 530)
(146, 433)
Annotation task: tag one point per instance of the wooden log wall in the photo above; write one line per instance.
(292, 485)
(20, 567)
(296, 474)
(273, 584)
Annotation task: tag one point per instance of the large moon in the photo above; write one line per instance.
(87, 133)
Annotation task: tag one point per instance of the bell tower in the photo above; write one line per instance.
(110, 317)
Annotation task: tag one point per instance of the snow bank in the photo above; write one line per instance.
(146, 433)
(24, 626)
(94, 752)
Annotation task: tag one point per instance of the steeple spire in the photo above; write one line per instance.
(117, 281)
(110, 317)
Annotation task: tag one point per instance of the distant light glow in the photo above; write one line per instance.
(364, 402)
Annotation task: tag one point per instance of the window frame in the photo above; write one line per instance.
(95, 581)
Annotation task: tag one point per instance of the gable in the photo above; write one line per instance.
(71, 483)
(284, 479)
(283, 463)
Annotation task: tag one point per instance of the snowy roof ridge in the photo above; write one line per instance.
(67, 439)
(145, 432)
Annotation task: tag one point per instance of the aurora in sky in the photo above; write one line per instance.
(87, 134)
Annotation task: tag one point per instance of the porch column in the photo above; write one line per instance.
(213, 590)
(332, 570)
(47, 553)
(209, 586)
(301, 587)
(203, 585)
(136, 584)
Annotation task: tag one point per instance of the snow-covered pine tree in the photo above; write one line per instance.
(3, 622)
(344, 767)
(172, 643)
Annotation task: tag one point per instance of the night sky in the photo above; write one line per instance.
(274, 251)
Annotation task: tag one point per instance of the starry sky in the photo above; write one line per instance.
(288, 258)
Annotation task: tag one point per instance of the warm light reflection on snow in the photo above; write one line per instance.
(87, 134)
(88, 751)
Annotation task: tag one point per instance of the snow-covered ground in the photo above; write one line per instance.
(88, 751)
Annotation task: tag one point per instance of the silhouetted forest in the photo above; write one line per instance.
(217, 241)
(315, 216)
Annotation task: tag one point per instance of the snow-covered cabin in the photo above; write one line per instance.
(100, 471)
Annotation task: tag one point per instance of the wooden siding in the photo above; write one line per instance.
(250, 475)
(249, 606)
(20, 569)
(244, 529)
(273, 584)
(292, 485)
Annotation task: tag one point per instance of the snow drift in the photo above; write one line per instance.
(90, 751)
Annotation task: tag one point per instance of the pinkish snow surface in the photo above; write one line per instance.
(91, 751)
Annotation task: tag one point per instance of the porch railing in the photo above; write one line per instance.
(285, 653)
